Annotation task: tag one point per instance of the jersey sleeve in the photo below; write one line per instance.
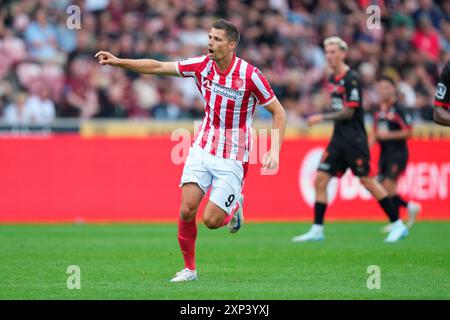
(442, 96)
(260, 88)
(404, 119)
(352, 92)
(187, 68)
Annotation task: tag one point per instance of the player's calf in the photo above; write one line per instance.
(374, 187)
(379, 193)
(320, 186)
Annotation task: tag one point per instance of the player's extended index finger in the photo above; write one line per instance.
(99, 53)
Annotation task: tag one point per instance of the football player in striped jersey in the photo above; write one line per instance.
(218, 158)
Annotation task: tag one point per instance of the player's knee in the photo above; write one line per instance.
(188, 211)
(367, 182)
(320, 182)
(211, 222)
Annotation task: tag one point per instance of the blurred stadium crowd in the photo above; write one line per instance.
(47, 70)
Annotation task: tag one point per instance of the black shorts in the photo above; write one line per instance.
(338, 157)
(392, 165)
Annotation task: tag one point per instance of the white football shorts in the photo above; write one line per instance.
(225, 177)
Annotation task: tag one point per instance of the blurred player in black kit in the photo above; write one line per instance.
(441, 113)
(349, 146)
(392, 127)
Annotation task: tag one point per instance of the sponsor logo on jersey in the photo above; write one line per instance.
(382, 126)
(408, 119)
(354, 95)
(227, 92)
(336, 103)
(391, 115)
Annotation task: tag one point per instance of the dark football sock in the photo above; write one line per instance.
(399, 201)
(319, 212)
(395, 205)
(389, 209)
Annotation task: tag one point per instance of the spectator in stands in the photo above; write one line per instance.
(283, 37)
(41, 37)
(18, 112)
(426, 39)
(428, 10)
(41, 106)
(168, 108)
(80, 93)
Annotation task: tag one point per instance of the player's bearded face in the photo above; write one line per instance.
(218, 45)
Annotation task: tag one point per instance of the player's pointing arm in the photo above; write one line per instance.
(147, 66)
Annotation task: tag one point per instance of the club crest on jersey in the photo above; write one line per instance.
(238, 83)
(440, 91)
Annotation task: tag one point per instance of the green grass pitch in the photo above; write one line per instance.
(128, 261)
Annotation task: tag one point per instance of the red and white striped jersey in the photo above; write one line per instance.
(230, 103)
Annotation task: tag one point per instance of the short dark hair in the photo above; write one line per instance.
(388, 79)
(231, 30)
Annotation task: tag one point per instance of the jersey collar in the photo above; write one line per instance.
(339, 77)
(225, 73)
(390, 106)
